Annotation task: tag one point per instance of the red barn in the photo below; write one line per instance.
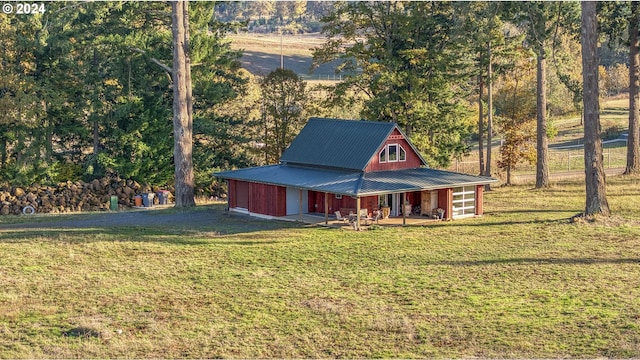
(343, 164)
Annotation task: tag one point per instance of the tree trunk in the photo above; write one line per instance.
(480, 125)
(489, 115)
(182, 120)
(542, 146)
(633, 142)
(596, 199)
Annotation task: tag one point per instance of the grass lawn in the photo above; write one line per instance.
(522, 281)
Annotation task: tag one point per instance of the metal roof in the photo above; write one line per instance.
(355, 183)
(334, 143)
(381, 182)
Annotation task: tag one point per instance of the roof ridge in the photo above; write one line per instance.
(376, 122)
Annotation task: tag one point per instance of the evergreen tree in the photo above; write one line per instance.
(540, 19)
(596, 199)
(407, 63)
(285, 99)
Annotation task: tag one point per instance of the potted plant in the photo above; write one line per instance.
(386, 210)
(407, 208)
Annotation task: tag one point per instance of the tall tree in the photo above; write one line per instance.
(596, 199)
(619, 21)
(633, 143)
(540, 20)
(285, 99)
(182, 106)
(407, 63)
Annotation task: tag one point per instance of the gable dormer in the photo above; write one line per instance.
(395, 153)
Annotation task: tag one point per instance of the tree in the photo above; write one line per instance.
(540, 20)
(633, 143)
(596, 199)
(406, 63)
(516, 106)
(285, 99)
(182, 106)
(619, 21)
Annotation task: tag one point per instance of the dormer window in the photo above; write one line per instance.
(392, 153)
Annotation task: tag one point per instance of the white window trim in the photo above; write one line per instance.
(385, 151)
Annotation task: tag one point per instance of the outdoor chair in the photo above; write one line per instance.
(339, 217)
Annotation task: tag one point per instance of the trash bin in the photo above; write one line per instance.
(163, 197)
(147, 199)
(137, 200)
(113, 203)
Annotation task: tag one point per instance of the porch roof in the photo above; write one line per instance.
(354, 183)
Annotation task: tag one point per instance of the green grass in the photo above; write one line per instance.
(522, 281)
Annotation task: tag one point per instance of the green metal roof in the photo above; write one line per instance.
(340, 144)
(355, 183)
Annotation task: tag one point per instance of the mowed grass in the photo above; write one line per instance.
(522, 281)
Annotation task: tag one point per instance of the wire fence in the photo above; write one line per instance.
(321, 77)
(561, 160)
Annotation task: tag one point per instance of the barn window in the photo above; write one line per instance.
(338, 196)
(393, 152)
(383, 155)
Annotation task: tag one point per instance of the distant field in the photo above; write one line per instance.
(565, 153)
(262, 54)
(521, 282)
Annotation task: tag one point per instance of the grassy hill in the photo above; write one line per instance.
(521, 282)
(261, 54)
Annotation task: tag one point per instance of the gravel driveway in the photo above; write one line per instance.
(203, 217)
(200, 216)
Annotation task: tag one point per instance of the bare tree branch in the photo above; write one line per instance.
(164, 66)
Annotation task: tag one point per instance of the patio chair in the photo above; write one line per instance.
(377, 215)
(339, 217)
(364, 216)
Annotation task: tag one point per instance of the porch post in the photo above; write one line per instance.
(326, 208)
(358, 213)
(404, 215)
(300, 205)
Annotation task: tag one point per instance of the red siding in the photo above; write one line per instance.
(412, 162)
(316, 197)
(267, 199)
(370, 203)
(242, 194)
(445, 201)
(231, 193)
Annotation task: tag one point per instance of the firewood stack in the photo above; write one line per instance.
(71, 196)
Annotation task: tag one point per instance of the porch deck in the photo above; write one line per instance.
(318, 219)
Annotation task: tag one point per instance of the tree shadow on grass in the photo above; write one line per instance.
(540, 261)
(138, 234)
